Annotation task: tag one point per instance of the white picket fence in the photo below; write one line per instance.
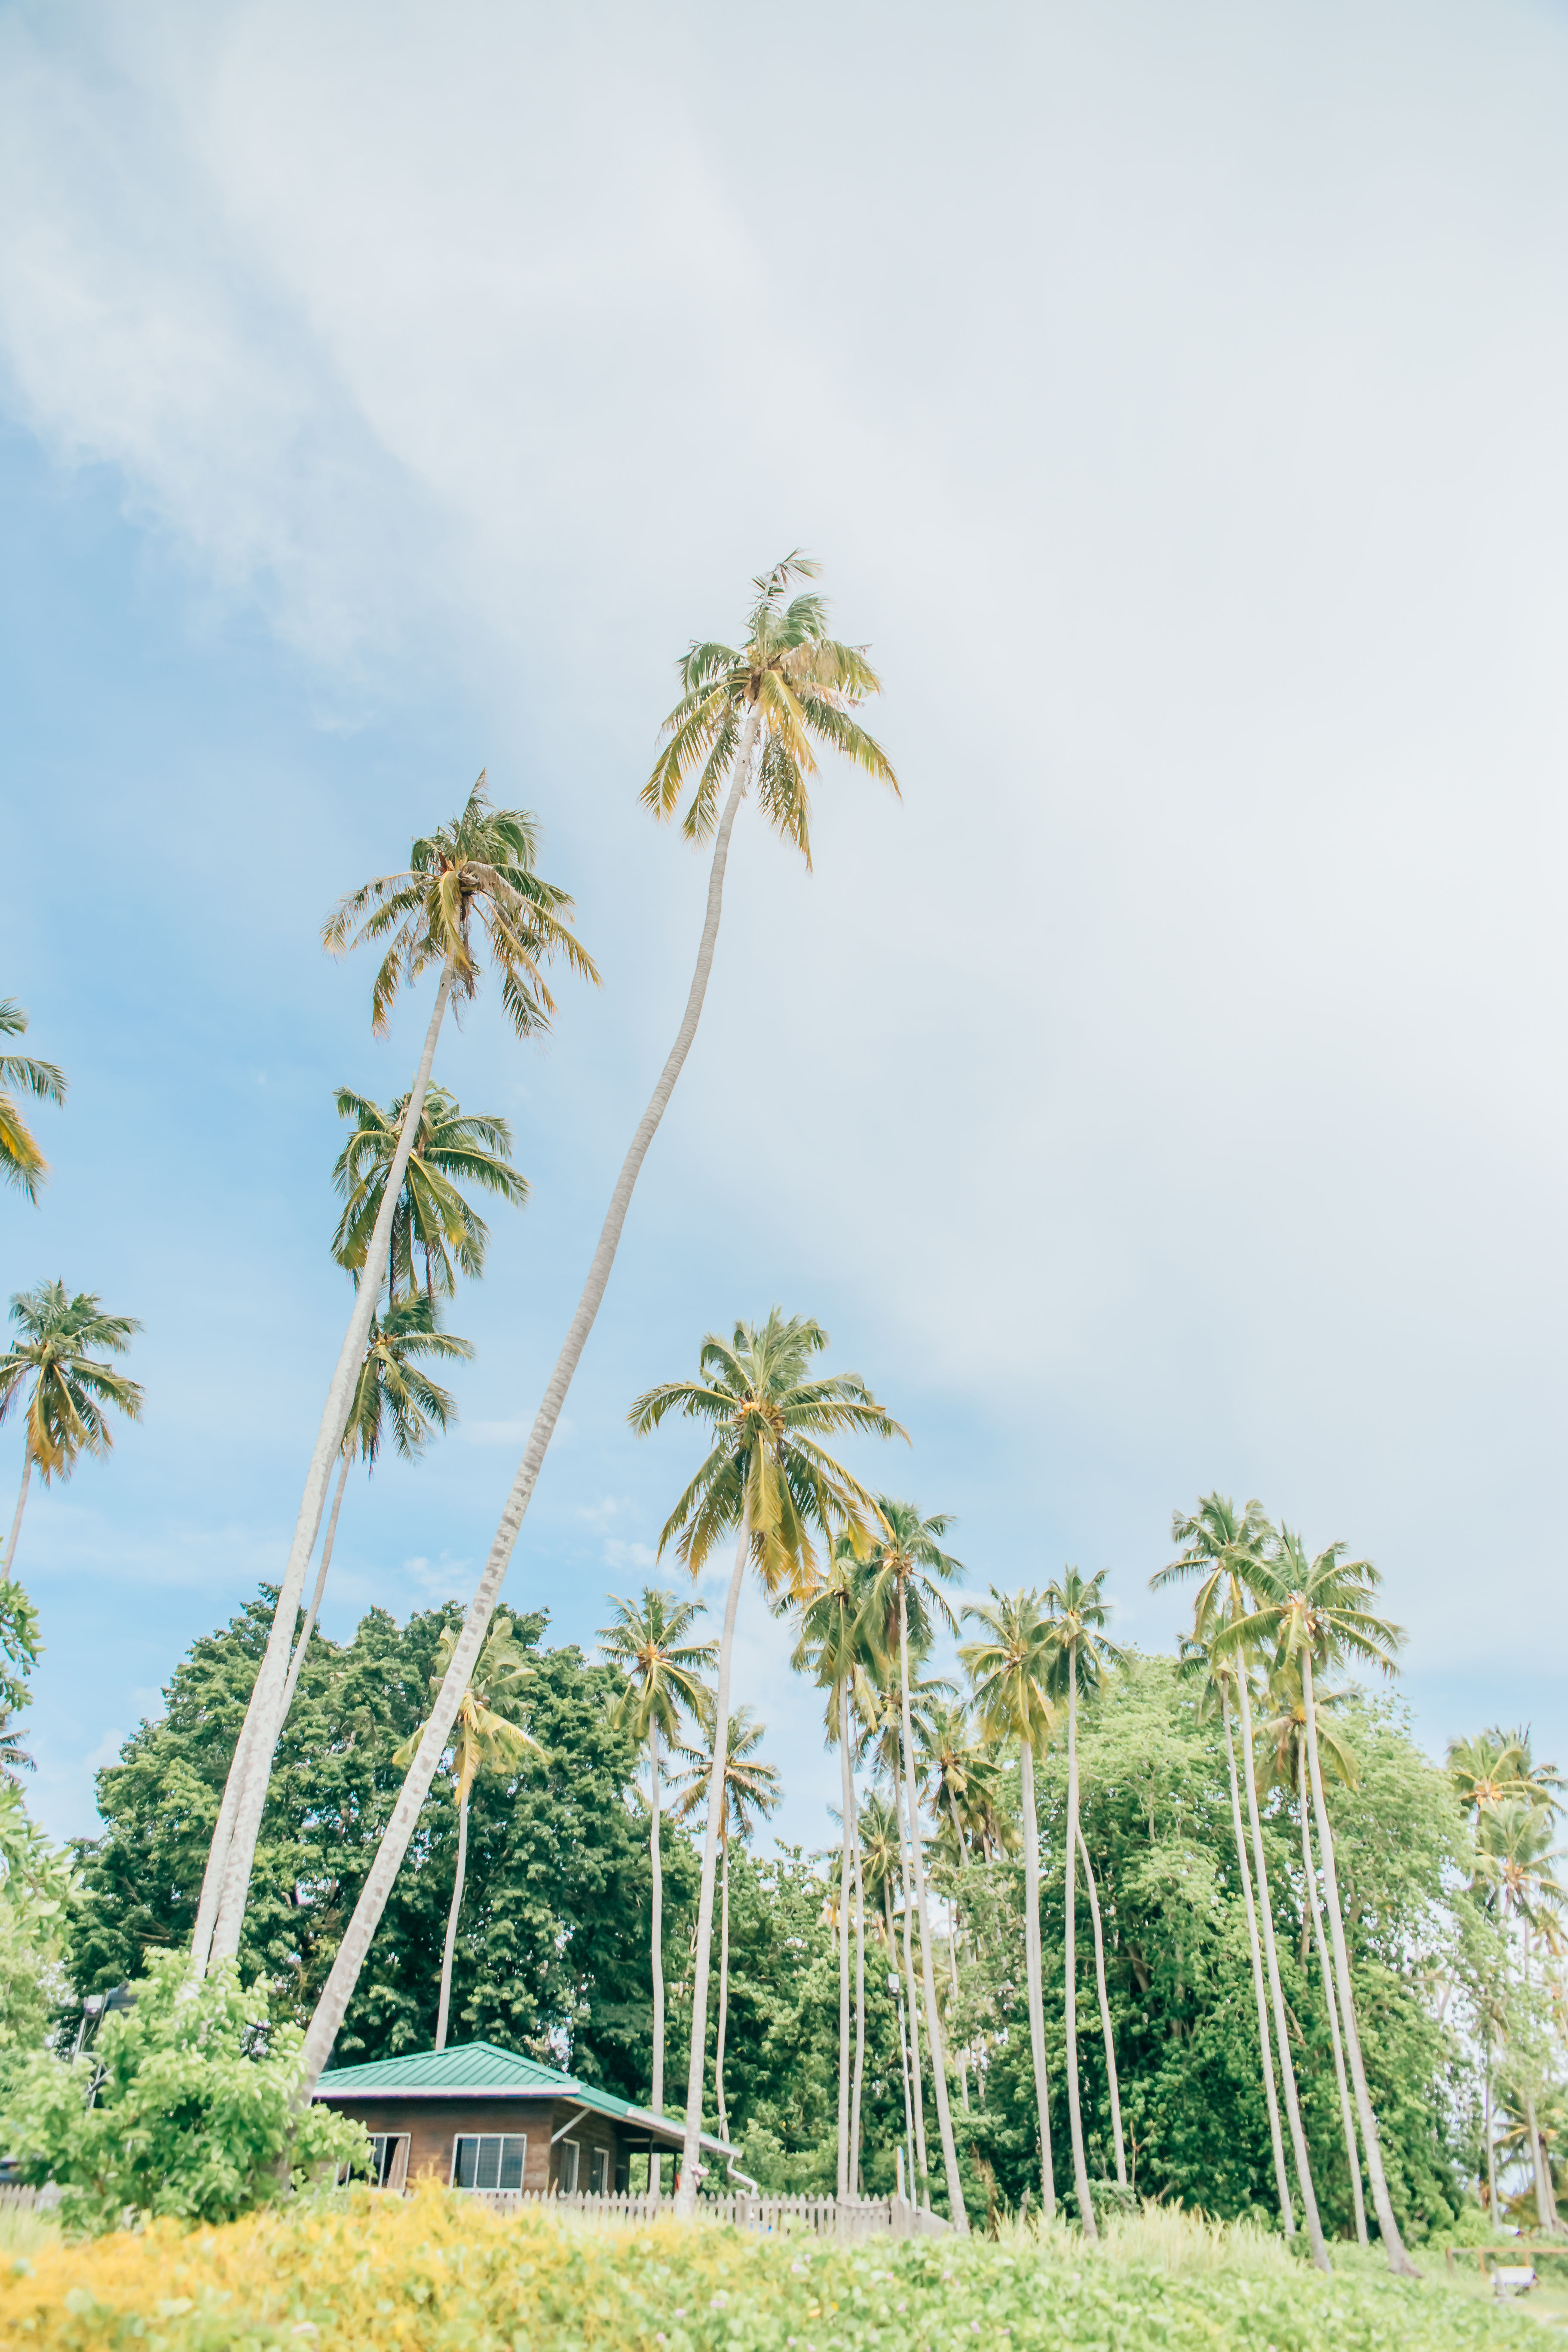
(820, 2217)
(16, 2200)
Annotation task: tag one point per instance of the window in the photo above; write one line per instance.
(570, 2154)
(388, 2160)
(598, 2164)
(489, 2159)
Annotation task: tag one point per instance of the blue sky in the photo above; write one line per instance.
(1166, 1095)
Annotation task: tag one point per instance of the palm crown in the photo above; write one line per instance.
(1010, 1667)
(801, 684)
(62, 1347)
(393, 1389)
(480, 866)
(766, 1462)
(908, 1564)
(450, 1146)
(1077, 1611)
(486, 1736)
(1497, 1766)
(1222, 1548)
(752, 1789)
(663, 1670)
(1315, 1606)
(21, 1161)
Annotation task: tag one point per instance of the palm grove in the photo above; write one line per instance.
(1096, 1924)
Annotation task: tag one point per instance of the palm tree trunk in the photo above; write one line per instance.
(220, 1914)
(697, 2069)
(917, 2081)
(1069, 1959)
(953, 1917)
(458, 1876)
(859, 1998)
(339, 1988)
(723, 1981)
(957, 2212)
(1281, 2030)
(846, 1808)
(21, 1503)
(1542, 2211)
(1281, 2178)
(1491, 2140)
(1033, 1975)
(1399, 2261)
(654, 2159)
(1347, 2112)
(1109, 2037)
(298, 1660)
(903, 2039)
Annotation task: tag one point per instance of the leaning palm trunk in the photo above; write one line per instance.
(859, 2000)
(1544, 2213)
(339, 1988)
(1281, 2030)
(917, 2080)
(1069, 1962)
(1105, 2028)
(1399, 2261)
(1347, 2112)
(460, 1875)
(697, 2069)
(957, 2213)
(847, 1810)
(221, 1912)
(1033, 1975)
(21, 1505)
(723, 1981)
(655, 2161)
(301, 1646)
(1281, 2178)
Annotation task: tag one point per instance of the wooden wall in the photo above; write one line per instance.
(432, 2124)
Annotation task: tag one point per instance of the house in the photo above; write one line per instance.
(477, 2117)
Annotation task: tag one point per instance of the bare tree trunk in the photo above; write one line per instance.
(298, 1660)
(917, 2081)
(723, 1981)
(1069, 1962)
(1491, 2139)
(1399, 2261)
(340, 1984)
(220, 1915)
(957, 2212)
(859, 1998)
(691, 2151)
(1347, 2112)
(1281, 2030)
(21, 1503)
(1537, 2163)
(903, 2038)
(1281, 2178)
(954, 1915)
(846, 1808)
(1108, 2036)
(1033, 1975)
(458, 1876)
(654, 2159)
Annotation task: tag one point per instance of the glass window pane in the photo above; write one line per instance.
(463, 2163)
(569, 2168)
(489, 2162)
(513, 2150)
(597, 2172)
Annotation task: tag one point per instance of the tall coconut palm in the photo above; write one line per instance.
(759, 712)
(56, 1362)
(1107, 2029)
(952, 1764)
(878, 1865)
(1498, 1766)
(394, 1391)
(1315, 1611)
(476, 876)
(908, 1560)
(832, 1645)
(1515, 1864)
(649, 1648)
(487, 1739)
(433, 1219)
(1010, 1668)
(1224, 1548)
(1286, 1734)
(752, 1791)
(1079, 1656)
(768, 1478)
(21, 1161)
(882, 1738)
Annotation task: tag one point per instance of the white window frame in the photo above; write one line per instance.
(573, 2148)
(501, 2138)
(599, 2162)
(393, 2176)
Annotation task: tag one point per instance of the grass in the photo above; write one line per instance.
(433, 2274)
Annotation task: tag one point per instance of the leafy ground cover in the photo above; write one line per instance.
(431, 2274)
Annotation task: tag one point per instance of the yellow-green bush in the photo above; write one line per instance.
(436, 2274)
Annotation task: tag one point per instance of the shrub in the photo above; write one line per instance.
(185, 2105)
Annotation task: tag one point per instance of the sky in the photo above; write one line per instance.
(1164, 1095)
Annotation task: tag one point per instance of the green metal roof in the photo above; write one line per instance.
(479, 2069)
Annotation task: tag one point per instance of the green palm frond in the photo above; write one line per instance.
(451, 1148)
(72, 1390)
(662, 1670)
(21, 1161)
(1010, 1667)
